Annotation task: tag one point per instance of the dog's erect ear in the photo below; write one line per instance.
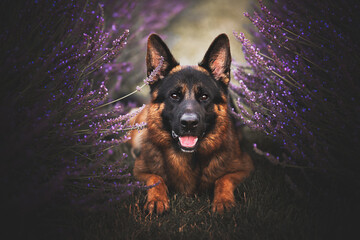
(155, 49)
(217, 59)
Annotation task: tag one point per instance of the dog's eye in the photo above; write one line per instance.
(175, 96)
(203, 97)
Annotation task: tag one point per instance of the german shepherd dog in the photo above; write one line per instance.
(190, 144)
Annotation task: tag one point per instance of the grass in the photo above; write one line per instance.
(269, 206)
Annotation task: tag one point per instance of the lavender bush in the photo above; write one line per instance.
(62, 128)
(301, 83)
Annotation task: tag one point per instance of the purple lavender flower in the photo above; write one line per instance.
(59, 69)
(300, 86)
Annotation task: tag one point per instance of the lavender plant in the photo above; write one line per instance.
(61, 132)
(301, 82)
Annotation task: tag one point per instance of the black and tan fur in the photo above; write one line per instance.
(198, 93)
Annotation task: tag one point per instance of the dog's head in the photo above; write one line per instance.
(191, 95)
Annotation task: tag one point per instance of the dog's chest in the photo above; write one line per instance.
(188, 175)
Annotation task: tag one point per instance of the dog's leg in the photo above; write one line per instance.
(224, 190)
(157, 196)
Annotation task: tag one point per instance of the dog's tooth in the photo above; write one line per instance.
(174, 135)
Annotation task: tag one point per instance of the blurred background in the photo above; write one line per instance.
(193, 30)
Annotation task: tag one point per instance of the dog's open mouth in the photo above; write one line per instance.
(187, 143)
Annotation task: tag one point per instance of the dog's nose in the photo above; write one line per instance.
(189, 120)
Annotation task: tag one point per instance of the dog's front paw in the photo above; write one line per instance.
(157, 199)
(221, 204)
(158, 205)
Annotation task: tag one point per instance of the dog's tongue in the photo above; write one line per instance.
(188, 141)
